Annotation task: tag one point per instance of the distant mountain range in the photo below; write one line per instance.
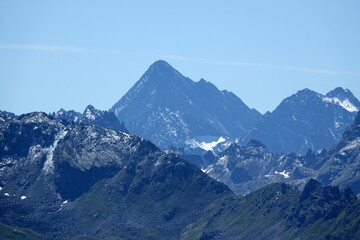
(247, 168)
(73, 180)
(172, 110)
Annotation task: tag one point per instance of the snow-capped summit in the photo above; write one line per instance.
(343, 98)
(306, 120)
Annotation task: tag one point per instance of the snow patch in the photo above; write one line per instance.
(346, 104)
(23, 197)
(208, 169)
(1, 188)
(6, 194)
(284, 173)
(89, 115)
(158, 162)
(204, 145)
(49, 163)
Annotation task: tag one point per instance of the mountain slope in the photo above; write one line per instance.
(306, 120)
(279, 211)
(341, 166)
(169, 109)
(12, 233)
(66, 179)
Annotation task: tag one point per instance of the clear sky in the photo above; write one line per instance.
(70, 54)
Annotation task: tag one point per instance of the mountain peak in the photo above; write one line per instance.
(90, 113)
(306, 92)
(168, 108)
(343, 98)
(161, 63)
(203, 81)
(339, 90)
(90, 108)
(160, 73)
(161, 66)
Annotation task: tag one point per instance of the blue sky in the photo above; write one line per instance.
(70, 54)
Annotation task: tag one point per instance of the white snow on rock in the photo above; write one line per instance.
(6, 194)
(204, 145)
(49, 163)
(346, 104)
(23, 197)
(208, 169)
(89, 115)
(351, 145)
(284, 173)
(158, 162)
(1, 188)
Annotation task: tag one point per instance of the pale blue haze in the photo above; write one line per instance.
(70, 54)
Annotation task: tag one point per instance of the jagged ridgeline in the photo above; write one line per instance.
(168, 108)
(68, 180)
(93, 116)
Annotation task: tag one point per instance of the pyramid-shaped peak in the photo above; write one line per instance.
(161, 70)
(161, 65)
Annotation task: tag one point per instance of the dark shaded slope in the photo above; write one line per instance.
(279, 211)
